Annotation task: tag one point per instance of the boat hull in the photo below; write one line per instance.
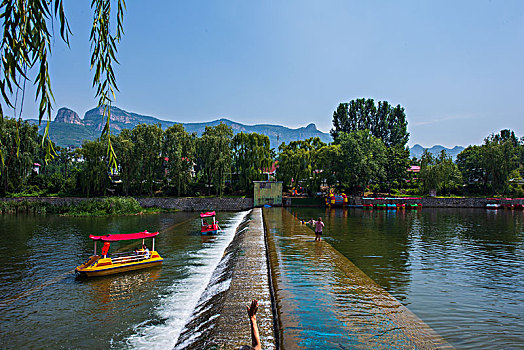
(209, 232)
(209, 229)
(104, 267)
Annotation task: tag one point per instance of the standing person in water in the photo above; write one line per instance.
(319, 225)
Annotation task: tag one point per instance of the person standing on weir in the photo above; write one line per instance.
(319, 225)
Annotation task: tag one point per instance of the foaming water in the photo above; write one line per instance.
(203, 319)
(174, 310)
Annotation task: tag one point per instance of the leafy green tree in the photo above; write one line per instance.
(429, 175)
(396, 134)
(214, 156)
(294, 163)
(470, 163)
(94, 178)
(297, 163)
(492, 163)
(19, 151)
(58, 176)
(320, 166)
(396, 166)
(127, 167)
(364, 156)
(147, 156)
(328, 161)
(451, 178)
(439, 173)
(383, 121)
(179, 149)
(251, 153)
(501, 153)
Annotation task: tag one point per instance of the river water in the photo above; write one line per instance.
(460, 271)
(42, 305)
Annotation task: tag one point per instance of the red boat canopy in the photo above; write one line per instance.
(124, 236)
(208, 214)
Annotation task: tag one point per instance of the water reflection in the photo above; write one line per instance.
(207, 239)
(109, 289)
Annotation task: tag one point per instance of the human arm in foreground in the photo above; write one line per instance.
(251, 312)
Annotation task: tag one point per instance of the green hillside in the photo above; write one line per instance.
(66, 134)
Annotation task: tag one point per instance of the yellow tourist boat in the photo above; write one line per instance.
(108, 264)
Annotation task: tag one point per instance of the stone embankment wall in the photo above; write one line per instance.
(234, 204)
(454, 202)
(432, 202)
(185, 204)
(58, 201)
(427, 202)
(198, 204)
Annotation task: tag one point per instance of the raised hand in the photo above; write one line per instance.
(252, 309)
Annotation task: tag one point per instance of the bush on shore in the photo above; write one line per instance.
(92, 207)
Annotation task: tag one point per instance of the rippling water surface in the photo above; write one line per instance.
(459, 270)
(42, 305)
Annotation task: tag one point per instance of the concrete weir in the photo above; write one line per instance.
(249, 281)
(320, 300)
(220, 319)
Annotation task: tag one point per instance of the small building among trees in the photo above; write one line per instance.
(267, 192)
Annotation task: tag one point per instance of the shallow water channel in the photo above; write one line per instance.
(458, 272)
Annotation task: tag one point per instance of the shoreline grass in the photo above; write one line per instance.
(92, 207)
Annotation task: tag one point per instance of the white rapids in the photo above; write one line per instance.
(177, 307)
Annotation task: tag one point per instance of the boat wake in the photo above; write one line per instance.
(175, 310)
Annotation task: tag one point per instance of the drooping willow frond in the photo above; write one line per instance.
(26, 45)
(103, 54)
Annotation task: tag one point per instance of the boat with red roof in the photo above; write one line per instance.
(211, 227)
(110, 263)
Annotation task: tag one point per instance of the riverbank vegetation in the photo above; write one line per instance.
(92, 207)
(369, 154)
(151, 161)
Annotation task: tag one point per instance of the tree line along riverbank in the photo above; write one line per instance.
(369, 153)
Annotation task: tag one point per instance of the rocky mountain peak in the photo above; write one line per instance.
(311, 127)
(68, 116)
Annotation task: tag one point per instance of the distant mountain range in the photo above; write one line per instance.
(417, 150)
(68, 129)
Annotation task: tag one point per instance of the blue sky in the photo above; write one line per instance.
(455, 66)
